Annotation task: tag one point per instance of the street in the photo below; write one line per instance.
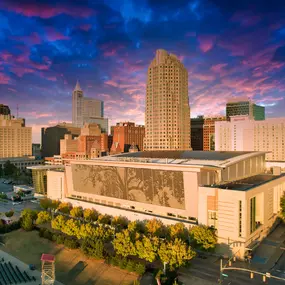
(209, 270)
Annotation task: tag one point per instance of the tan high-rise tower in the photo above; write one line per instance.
(167, 117)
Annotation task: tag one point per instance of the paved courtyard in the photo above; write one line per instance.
(72, 267)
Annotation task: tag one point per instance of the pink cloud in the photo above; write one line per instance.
(33, 38)
(52, 35)
(4, 79)
(20, 71)
(206, 42)
(47, 11)
(218, 67)
(13, 90)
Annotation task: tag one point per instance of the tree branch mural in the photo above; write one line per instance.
(159, 187)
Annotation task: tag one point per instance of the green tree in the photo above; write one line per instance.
(178, 230)
(120, 222)
(45, 203)
(58, 222)
(54, 204)
(155, 227)
(86, 231)
(104, 219)
(90, 215)
(9, 168)
(136, 226)
(76, 212)
(71, 227)
(28, 212)
(104, 233)
(124, 243)
(43, 217)
(64, 208)
(27, 223)
(175, 253)
(147, 248)
(9, 214)
(93, 248)
(282, 205)
(28, 217)
(203, 237)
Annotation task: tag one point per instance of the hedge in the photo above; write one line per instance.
(7, 228)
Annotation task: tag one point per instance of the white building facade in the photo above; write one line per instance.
(244, 134)
(230, 191)
(87, 110)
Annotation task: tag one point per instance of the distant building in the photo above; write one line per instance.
(15, 137)
(51, 137)
(209, 132)
(197, 133)
(87, 110)
(21, 162)
(167, 115)
(238, 107)
(36, 150)
(90, 143)
(4, 110)
(245, 134)
(126, 134)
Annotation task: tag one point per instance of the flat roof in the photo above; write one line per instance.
(45, 167)
(220, 159)
(250, 182)
(199, 155)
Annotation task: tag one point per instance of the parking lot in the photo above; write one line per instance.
(8, 205)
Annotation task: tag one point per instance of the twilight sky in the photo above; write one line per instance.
(230, 48)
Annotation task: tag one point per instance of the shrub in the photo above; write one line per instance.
(41, 232)
(114, 260)
(90, 215)
(43, 217)
(71, 243)
(27, 223)
(93, 248)
(45, 203)
(104, 219)
(131, 265)
(58, 222)
(11, 227)
(9, 214)
(123, 263)
(64, 208)
(76, 212)
(48, 235)
(54, 237)
(140, 268)
(60, 239)
(3, 196)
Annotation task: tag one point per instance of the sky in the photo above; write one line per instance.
(230, 49)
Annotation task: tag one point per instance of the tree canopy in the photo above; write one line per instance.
(203, 237)
(282, 205)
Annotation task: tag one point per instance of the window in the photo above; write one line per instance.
(252, 214)
(212, 219)
(240, 219)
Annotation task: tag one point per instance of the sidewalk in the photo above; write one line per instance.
(24, 267)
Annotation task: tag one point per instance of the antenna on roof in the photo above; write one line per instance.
(17, 111)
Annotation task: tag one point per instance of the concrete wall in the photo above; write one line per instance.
(55, 184)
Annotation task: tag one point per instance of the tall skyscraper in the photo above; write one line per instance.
(87, 110)
(167, 116)
(244, 106)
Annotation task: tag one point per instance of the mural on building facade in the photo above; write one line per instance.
(158, 187)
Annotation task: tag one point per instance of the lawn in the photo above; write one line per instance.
(72, 267)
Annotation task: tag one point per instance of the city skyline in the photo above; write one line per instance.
(228, 50)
